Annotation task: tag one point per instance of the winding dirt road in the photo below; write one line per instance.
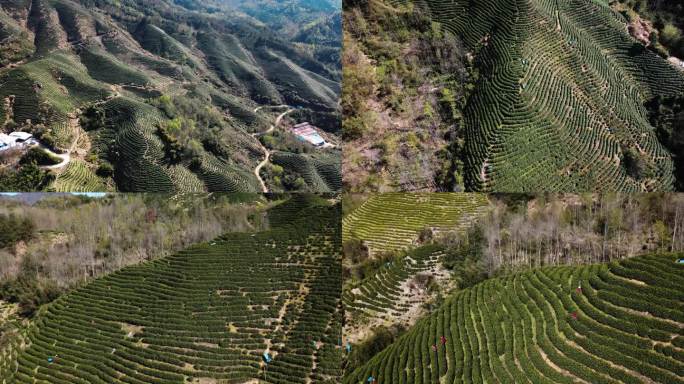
(267, 153)
(76, 127)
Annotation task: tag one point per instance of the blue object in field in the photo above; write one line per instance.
(348, 347)
(50, 359)
(680, 261)
(267, 358)
(371, 379)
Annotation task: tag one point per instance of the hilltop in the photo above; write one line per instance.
(163, 96)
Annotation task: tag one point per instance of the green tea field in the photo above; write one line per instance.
(621, 322)
(393, 221)
(208, 314)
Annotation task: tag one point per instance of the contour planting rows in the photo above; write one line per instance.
(391, 221)
(321, 172)
(560, 96)
(130, 143)
(613, 323)
(206, 314)
(391, 294)
(49, 88)
(77, 177)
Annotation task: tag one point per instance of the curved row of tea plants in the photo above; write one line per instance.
(321, 172)
(391, 292)
(77, 177)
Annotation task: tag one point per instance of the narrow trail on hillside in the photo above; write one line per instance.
(76, 127)
(66, 157)
(267, 153)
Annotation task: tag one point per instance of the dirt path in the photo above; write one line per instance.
(483, 170)
(76, 128)
(679, 64)
(66, 157)
(270, 106)
(267, 153)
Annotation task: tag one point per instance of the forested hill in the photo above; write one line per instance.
(158, 95)
(300, 21)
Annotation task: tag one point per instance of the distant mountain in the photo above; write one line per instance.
(161, 95)
(316, 23)
(31, 198)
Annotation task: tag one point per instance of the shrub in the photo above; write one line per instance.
(14, 229)
(39, 156)
(92, 118)
(105, 169)
(670, 35)
(28, 178)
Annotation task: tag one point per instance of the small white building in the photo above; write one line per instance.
(21, 137)
(6, 141)
(15, 139)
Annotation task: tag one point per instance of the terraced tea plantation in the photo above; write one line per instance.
(559, 103)
(321, 173)
(621, 322)
(100, 82)
(393, 295)
(206, 314)
(392, 221)
(12, 331)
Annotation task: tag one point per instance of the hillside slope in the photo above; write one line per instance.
(393, 221)
(607, 323)
(152, 96)
(206, 314)
(558, 97)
